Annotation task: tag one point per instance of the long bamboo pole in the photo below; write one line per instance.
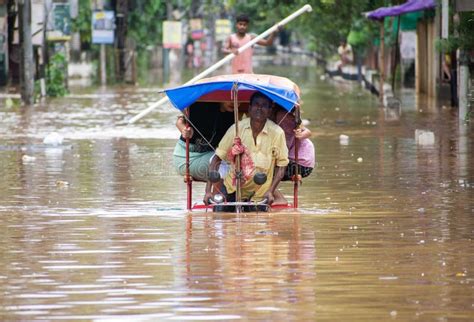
(226, 59)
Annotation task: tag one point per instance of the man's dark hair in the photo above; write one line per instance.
(242, 17)
(257, 95)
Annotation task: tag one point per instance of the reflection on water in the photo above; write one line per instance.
(95, 228)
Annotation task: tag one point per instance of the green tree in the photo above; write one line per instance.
(460, 36)
(321, 29)
(82, 23)
(145, 20)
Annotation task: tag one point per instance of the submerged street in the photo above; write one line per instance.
(96, 227)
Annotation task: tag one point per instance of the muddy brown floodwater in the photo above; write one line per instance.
(95, 228)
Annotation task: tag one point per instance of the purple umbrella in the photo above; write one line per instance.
(409, 6)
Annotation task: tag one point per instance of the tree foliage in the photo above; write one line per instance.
(461, 35)
(55, 78)
(321, 29)
(145, 22)
(82, 23)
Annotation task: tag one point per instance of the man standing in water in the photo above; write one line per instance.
(345, 54)
(263, 142)
(242, 63)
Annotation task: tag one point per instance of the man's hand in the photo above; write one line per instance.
(269, 196)
(237, 147)
(187, 132)
(235, 51)
(207, 196)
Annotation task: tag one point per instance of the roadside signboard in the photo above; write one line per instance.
(223, 29)
(197, 31)
(59, 23)
(172, 35)
(103, 26)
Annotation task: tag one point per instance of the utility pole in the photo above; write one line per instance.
(26, 49)
(121, 21)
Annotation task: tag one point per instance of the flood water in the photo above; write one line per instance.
(95, 229)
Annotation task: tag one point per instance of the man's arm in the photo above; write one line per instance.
(221, 151)
(268, 41)
(279, 173)
(280, 164)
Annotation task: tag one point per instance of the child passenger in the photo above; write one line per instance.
(306, 154)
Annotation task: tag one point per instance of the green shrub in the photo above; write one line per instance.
(55, 76)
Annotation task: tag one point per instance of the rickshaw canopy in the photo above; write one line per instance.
(219, 89)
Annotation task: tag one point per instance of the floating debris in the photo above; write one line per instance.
(27, 159)
(423, 137)
(266, 232)
(343, 139)
(359, 159)
(61, 183)
(54, 139)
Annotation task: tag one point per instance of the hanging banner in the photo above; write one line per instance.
(103, 26)
(172, 35)
(408, 44)
(197, 31)
(223, 29)
(37, 22)
(59, 23)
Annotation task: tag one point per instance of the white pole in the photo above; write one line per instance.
(463, 86)
(305, 8)
(444, 19)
